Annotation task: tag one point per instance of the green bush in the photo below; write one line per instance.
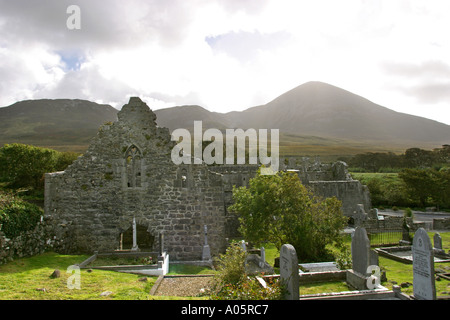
(408, 213)
(17, 216)
(343, 256)
(386, 189)
(231, 282)
(24, 166)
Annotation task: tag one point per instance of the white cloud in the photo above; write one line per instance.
(227, 55)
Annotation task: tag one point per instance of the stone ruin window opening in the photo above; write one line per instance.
(133, 166)
(145, 239)
(184, 178)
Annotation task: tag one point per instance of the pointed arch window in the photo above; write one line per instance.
(133, 165)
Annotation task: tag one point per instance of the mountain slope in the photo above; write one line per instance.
(317, 108)
(62, 123)
(314, 119)
(320, 109)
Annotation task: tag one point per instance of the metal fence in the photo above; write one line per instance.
(388, 237)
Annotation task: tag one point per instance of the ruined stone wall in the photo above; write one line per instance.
(28, 243)
(351, 193)
(441, 224)
(233, 175)
(127, 172)
(325, 180)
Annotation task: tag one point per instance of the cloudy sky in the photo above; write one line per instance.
(227, 55)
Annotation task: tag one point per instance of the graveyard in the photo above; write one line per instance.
(29, 278)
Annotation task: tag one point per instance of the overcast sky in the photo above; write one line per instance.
(227, 55)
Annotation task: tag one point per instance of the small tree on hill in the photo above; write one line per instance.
(279, 209)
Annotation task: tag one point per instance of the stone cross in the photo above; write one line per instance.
(289, 272)
(135, 246)
(423, 267)
(206, 253)
(161, 243)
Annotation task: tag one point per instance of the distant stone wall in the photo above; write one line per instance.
(325, 180)
(351, 193)
(388, 223)
(441, 224)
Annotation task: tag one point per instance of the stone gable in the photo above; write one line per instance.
(127, 172)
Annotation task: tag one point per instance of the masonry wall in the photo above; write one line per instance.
(95, 199)
(27, 244)
(351, 193)
(325, 180)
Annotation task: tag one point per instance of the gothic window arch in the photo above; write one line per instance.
(133, 166)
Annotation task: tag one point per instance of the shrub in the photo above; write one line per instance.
(408, 213)
(232, 283)
(24, 166)
(343, 256)
(17, 216)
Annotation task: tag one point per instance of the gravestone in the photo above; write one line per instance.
(360, 215)
(361, 259)
(423, 267)
(360, 251)
(437, 241)
(289, 272)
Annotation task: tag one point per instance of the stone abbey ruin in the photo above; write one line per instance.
(127, 174)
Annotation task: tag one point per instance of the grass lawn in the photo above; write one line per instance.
(26, 279)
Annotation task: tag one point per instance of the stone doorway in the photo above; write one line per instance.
(144, 239)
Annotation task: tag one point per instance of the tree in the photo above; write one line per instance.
(423, 185)
(279, 209)
(416, 157)
(24, 165)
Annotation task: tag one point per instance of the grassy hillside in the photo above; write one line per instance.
(64, 125)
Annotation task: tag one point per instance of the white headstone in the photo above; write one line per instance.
(423, 267)
(289, 271)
